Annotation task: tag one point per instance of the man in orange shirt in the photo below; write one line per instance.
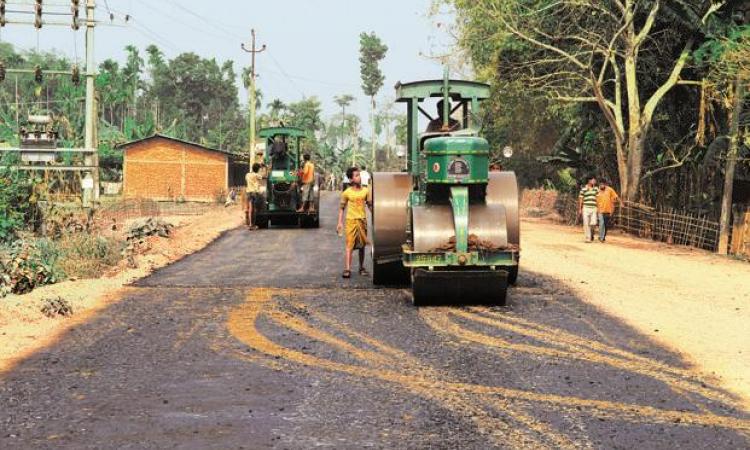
(308, 185)
(605, 205)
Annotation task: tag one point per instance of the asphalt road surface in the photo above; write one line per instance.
(257, 342)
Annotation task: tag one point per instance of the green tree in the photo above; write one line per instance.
(591, 52)
(371, 52)
(276, 109)
(344, 101)
(15, 205)
(729, 58)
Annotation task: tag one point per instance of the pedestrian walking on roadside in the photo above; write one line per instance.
(365, 177)
(252, 195)
(353, 201)
(587, 208)
(605, 205)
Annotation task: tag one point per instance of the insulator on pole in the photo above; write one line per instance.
(74, 8)
(38, 14)
(76, 75)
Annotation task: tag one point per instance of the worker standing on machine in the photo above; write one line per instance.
(308, 185)
(260, 159)
(354, 200)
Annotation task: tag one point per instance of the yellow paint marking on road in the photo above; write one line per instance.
(400, 361)
(440, 321)
(546, 333)
(410, 364)
(294, 323)
(242, 324)
(593, 327)
(184, 336)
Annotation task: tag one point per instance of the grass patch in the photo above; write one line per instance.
(87, 256)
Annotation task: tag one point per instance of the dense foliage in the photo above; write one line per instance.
(16, 202)
(637, 91)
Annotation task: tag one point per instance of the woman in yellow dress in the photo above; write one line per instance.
(354, 200)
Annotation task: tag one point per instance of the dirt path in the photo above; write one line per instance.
(694, 302)
(24, 330)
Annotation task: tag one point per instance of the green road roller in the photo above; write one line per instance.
(282, 196)
(447, 224)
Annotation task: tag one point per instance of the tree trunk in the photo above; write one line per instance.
(635, 131)
(374, 143)
(636, 146)
(726, 199)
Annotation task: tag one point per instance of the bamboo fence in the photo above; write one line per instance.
(669, 226)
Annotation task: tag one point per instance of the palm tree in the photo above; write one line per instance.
(275, 109)
(343, 101)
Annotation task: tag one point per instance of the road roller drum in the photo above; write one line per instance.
(390, 195)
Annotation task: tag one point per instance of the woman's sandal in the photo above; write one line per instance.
(363, 272)
(346, 274)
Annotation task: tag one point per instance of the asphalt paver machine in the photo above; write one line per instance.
(448, 225)
(283, 187)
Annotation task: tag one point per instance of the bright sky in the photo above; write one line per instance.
(313, 45)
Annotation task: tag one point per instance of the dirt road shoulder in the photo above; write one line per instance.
(691, 301)
(24, 330)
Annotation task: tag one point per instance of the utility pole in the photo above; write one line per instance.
(343, 124)
(91, 116)
(251, 94)
(18, 124)
(355, 145)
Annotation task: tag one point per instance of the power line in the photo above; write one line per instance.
(178, 21)
(286, 75)
(153, 36)
(312, 80)
(216, 25)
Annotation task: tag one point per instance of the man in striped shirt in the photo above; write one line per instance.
(587, 208)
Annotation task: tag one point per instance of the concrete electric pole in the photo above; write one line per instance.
(91, 116)
(251, 94)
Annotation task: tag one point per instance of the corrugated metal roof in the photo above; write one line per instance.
(182, 141)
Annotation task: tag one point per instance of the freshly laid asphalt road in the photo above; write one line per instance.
(256, 342)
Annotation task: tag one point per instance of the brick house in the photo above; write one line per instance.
(163, 168)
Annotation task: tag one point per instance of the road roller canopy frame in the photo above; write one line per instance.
(465, 96)
(296, 135)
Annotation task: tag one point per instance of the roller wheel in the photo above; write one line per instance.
(389, 195)
(261, 221)
(513, 275)
(503, 190)
(309, 221)
(458, 288)
(390, 274)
